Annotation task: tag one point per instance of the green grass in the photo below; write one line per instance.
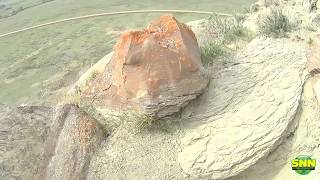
(269, 3)
(221, 32)
(135, 121)
(276, 24)
(93, 75)
(211, 51)
(310, 41)
(10, 8)
(237, 32)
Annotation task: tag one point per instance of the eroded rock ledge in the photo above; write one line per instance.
(247, 110)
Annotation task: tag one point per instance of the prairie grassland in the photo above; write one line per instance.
(37, 63)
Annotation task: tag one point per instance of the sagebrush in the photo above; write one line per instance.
(136, 121)
(275, 24)
(219, 32)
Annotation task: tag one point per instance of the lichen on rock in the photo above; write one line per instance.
(156, 71)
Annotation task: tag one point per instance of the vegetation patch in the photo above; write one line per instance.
(211, 51)
(221, 32)
(94, 74)
(310, 41)
(136, 121)
(276, 24)
(270, 3)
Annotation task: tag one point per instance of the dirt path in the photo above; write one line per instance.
(108, 14)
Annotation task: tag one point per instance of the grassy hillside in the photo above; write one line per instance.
(35, 64)
(12, 7)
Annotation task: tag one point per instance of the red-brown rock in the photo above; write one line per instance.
(155, 71)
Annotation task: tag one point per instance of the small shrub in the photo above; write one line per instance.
(219, 32)
(216, 28)
(211, 51)
(269, 3)
(312, 28)
(136, 121)
(275, 24)
(93, 75)
(310, 41)
(237, 32)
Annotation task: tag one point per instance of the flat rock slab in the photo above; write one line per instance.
(247, 110)
(304, 138)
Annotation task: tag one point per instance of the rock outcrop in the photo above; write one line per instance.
(313, 66)
(247, 110)
(155, 71)
(46, 143)
(74, 135)
(254, 110)
(303, 138)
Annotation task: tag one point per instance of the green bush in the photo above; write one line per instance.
(135, 121)
(219, 32)
(275, 24)
(211, 51)
(269, 3)
(310, 41)
(237, 32)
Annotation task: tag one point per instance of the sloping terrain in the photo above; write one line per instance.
(41, 63)
(247, 111)
(259, 112)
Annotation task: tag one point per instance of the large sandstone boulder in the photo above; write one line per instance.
(155, 71)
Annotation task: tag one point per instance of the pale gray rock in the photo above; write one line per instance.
(39, 142)
(246, 112)
(308, 5)
(74, 135)
(303, 138)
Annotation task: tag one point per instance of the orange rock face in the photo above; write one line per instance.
(155, 71)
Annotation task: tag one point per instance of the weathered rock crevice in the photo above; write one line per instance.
(75, 135)
(47, 143)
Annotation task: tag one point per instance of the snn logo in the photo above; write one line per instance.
(303, 164)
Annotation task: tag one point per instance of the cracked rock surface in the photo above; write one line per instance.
(303, 138)
(156, 71)
(74, 135)
(247, 110)
(46, 143)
